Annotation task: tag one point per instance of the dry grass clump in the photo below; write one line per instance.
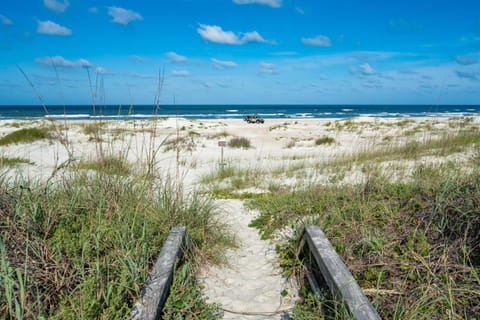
(240, 142)
(324, 140)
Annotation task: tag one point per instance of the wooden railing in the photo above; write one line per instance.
(336, 275)
(156, 290)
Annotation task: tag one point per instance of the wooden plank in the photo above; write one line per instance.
(156, 290)
(337, 276)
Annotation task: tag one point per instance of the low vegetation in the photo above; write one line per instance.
(324, 140)
(113, 165)
(414, 244)
(25, 136)
(82, 248)
(239, 142)
(10, 162)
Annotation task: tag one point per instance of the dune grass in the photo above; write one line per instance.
(409, 232)
(25, 136)
(415, 245)
(324, 140)
(81, 246)
(12, 161)
(239, 142)
(110, 164)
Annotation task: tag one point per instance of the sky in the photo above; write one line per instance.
(239, 52)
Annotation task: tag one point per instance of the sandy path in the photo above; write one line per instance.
(252, 284)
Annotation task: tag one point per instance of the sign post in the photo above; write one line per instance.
(222, 144)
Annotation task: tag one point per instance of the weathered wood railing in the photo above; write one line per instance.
(336, 275)
(156, 290)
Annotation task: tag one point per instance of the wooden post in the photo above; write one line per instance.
(222, 144)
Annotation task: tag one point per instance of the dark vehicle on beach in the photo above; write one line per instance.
(253, 119)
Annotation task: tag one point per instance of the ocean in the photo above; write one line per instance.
(87, 112)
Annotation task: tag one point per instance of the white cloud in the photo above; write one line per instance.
(123, 16)
(218, 35)
(367, 70)
(93, 10)
(221, 64)
(253, 36)
(5, 20)
(319, 41)
(268, 68)
(175, 57)
(55, 5)
(52, 28)
(59, 61)
(271, 3)
(180, 73)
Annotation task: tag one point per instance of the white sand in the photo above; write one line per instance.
(251, 286)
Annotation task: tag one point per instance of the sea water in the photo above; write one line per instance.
(88, 112)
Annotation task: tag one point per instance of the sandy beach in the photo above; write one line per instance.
(276, 144)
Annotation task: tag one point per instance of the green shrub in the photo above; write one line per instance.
(239, 142)
(25, 136)
(324, 140)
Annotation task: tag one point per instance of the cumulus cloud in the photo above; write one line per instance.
(218, 35)
(268, 68)
(55, 5)
(253, 36)
(467, 75)
(4, 20)
(93, 10)
(123, 16)
(319, 41)
(59, 61)
(52, 28)
(271, 3)
(465, 61)
(222, 64)
(180, 73)
(175, 57)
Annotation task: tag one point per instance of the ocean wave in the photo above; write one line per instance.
(67, 116)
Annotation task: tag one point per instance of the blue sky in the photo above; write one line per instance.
(240, 51)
